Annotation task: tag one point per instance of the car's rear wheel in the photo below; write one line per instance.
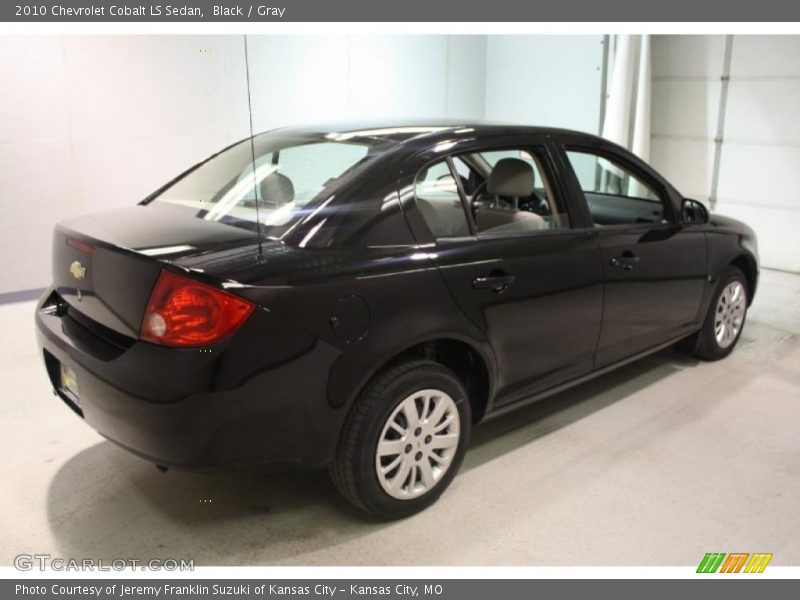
(404, 439)
(725, 318)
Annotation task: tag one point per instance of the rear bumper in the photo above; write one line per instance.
(254, 401)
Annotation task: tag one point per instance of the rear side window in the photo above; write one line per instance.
(615, 195)
(439, 201)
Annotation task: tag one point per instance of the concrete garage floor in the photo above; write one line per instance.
(654, 464)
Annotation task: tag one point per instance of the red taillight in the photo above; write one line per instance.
(80, 246)
(184, 312)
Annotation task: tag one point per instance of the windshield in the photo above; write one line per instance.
(273, 180)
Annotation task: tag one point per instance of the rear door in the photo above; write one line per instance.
(654, 267)
(531, 281)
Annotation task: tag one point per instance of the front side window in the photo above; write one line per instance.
(615, 195)
(515, 193)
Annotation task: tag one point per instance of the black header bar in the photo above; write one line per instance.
(400, 11)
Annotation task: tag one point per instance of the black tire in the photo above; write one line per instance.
(706, 346)
(354, 470)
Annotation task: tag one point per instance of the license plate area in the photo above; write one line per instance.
(53, 366)
(69, 383)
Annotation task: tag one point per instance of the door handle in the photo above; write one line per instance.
(497, 282)
(627, 261)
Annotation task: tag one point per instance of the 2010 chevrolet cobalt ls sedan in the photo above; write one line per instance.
(358, 297)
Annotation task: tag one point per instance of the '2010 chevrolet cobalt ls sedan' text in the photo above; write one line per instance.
(358, 297)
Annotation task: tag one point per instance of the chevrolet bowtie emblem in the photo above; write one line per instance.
(78, 270)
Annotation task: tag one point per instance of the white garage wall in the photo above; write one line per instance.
(90, 123)
(552, 80)
(759, 180)
(466, 89)
(758, 176)
(37, 185)
(302, 79)
(298, 79)
(685, 103)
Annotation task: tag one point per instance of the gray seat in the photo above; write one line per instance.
(444, 215)
(513, 179)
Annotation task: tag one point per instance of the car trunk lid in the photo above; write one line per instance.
(105, 265)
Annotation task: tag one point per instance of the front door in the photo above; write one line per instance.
(654, 268)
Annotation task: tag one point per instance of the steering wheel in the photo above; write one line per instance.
(480, 190)
(533, 203)
(537, 205)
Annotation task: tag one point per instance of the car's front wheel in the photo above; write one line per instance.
(404, 439)
(725, 318)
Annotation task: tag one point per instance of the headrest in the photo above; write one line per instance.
(511, 177)
(277, 189)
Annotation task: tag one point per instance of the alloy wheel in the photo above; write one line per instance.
(729, 316)
(417, 444)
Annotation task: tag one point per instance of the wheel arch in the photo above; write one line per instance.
(472, 362)
(747, 265)
(466, 362)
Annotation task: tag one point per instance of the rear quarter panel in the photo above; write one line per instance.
(405, 302)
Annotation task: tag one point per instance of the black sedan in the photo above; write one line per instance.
(358, 297)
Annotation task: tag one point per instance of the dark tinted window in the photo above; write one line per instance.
(615, 195)
(515, 195)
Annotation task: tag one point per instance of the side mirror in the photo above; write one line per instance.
(693, 212)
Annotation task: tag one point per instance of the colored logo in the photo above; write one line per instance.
(735, 562)
(77, 270)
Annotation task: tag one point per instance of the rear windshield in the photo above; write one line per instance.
(272, 179)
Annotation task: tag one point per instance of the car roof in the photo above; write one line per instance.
(419, 132)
